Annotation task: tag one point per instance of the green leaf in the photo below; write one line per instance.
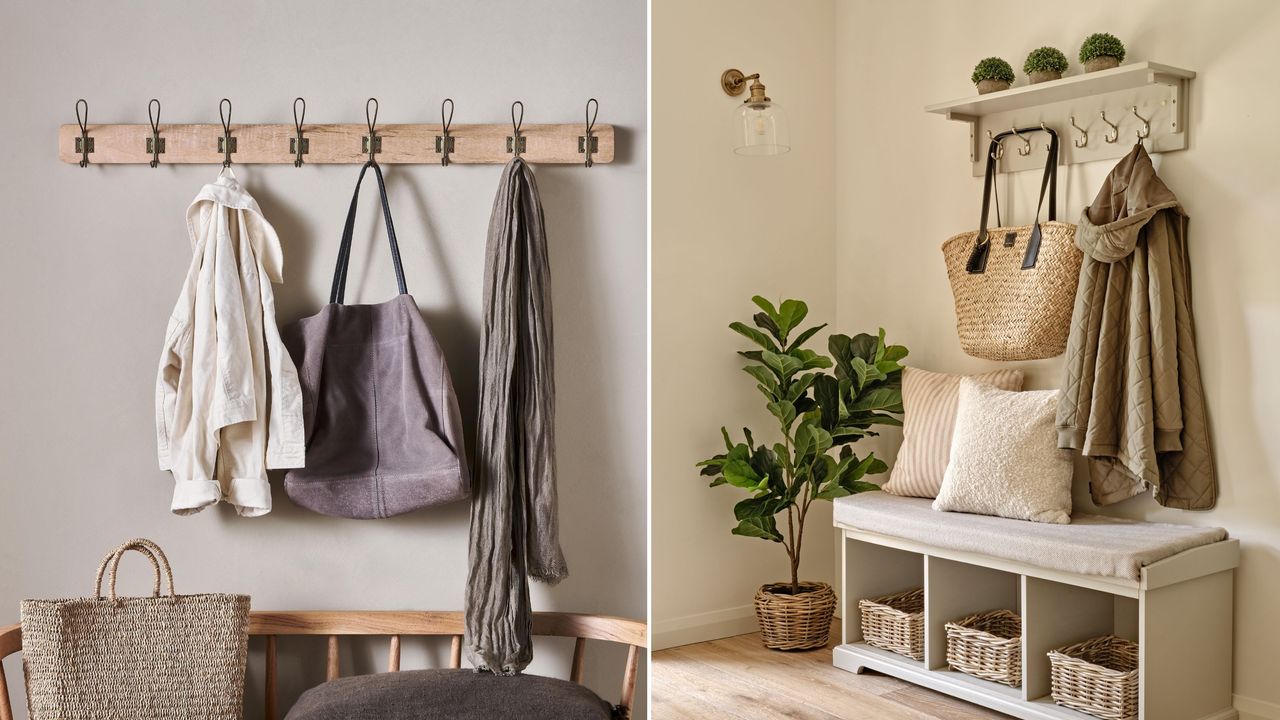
(784, 365)
(766, 322)
(802, 337)
(831, 492)
(864, 346)
(864, 373)
(826, 392)
(752, 355)
(764, 305)
(799, 386)
(784, 411)
(728, 444)
(718, 481)
(810, 359)
(882, 398)
(860, 487)
(790, 314)
(763, 526)
(739, 473)
(895, 353)
(754, 336)
(763, 376)
(757, 507)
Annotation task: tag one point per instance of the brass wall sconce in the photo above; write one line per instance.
(759, 124)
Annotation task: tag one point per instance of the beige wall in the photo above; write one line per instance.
(904, 185)
(91, 262)
(725, 228)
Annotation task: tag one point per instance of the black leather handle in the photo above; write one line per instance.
(1049, 181)
(338, 292)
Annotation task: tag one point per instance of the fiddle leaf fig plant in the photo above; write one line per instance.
(822, 405)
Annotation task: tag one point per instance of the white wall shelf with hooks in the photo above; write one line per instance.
(1128, 95)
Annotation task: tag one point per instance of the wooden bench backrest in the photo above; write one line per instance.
(395, 624)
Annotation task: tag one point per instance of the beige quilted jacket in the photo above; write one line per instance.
(1132, 401)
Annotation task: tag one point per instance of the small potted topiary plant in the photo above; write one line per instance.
(1045, 63)
(1101, 51)
(819, 414)
(992, 74)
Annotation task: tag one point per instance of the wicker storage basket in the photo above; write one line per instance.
(895, 622)
(795, 622)
(1098, 677)
(987, 645)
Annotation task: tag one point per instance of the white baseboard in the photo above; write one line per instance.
(701, 627)
(1255, 709)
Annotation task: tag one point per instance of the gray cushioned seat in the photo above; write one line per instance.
(449, 695)
(1090, 545)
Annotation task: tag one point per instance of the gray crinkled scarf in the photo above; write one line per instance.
(514, 530)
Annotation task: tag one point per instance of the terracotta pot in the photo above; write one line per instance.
(986, 86)
(1102, 62)
(1040, 76)
(795, 622)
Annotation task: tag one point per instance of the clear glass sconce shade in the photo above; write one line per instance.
(760, 129)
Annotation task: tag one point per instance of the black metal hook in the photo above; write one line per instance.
(84, 143)
(444, 143)
(155, 143)
(226, 143)
(299, 145)
(589, 143)
(372, 143)
(516, 141)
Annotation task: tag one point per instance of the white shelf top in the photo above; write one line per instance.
(1125, 77)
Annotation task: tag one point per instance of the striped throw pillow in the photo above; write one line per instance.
(929, 402)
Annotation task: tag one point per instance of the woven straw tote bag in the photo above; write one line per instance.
(1014, 296)
(170, 657)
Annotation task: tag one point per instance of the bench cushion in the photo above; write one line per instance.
(1090, 545)
(449, 695)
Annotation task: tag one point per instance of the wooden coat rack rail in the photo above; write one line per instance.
(585, 142)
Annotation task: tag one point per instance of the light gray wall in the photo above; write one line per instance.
(92, 262)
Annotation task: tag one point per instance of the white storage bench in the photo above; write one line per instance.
(1168, 587)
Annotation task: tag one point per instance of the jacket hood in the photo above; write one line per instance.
(1131, 195)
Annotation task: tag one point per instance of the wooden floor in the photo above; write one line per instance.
(737, 678)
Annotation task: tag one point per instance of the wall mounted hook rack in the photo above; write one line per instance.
(327, 144)
(1149, 99)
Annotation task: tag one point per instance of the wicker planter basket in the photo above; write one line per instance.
(987, 645)
(895, 622)
(795, 622)
(1098, 677)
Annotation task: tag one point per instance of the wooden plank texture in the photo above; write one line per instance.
(330, 144)
(738, 678)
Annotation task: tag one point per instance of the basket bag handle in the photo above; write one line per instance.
(144, 546)
(339, 290)
(1048, 181)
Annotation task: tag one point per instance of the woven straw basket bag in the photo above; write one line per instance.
(172, 657)
(1014, 287)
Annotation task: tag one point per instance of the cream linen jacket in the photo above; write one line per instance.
(228, 404)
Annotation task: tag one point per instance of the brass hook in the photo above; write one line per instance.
(1083, 140)
(999, 153)
(155, 143)
(1115, 129)
(371, 143)
(226, 143)
(516, 141)
(589, 143)
(299, 145)
(1145, 130)
(1026, 144)
(84, 143)
(444, 143)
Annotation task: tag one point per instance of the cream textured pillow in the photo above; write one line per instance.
(929, 415)
(1005, 459)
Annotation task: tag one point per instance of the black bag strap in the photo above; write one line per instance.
(339, 290)
(1048, 181)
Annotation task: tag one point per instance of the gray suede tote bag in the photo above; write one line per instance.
(384, 435)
